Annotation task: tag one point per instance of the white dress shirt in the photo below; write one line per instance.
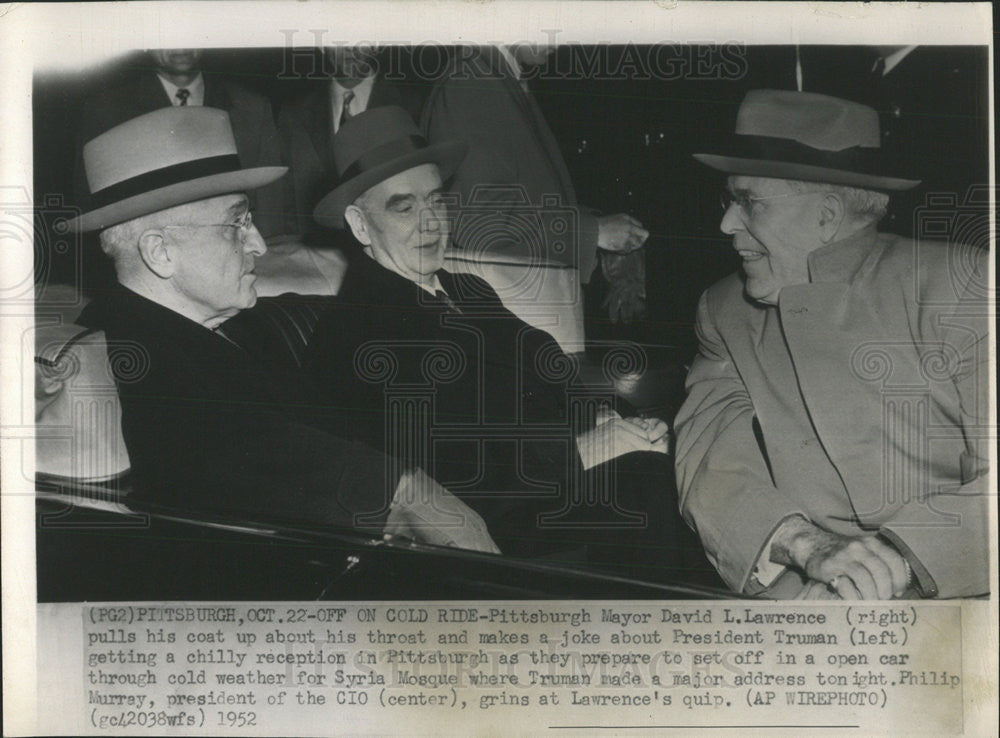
(895, 58)
(196, 88)
(515, 67)
(359, 104)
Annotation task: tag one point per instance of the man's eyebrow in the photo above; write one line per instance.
(397, 200)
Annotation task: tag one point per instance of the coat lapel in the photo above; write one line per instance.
(838, 347)
(216, 95)
(532, 113)
(150, 93)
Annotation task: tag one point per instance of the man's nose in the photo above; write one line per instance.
(255, 242)
(433, 219)
(732, 220)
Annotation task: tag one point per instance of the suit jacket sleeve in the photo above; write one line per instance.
(950, 560)
(726, 491)
(259, 145)
(490, 186)
(330, 364)
(192, 454)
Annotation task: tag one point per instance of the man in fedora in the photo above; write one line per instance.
(438, 372)
(208, 427)
(176, 77)
(309, 122)
(832, 443)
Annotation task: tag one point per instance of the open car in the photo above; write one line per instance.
(95, 541)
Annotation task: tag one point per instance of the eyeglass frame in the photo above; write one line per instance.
(244, 226)
(727, 198)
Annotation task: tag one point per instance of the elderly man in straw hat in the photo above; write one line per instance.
(208, 427)
(832, 443)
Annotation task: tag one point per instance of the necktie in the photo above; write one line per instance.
(182, 95)
(442, 297)
(345, 108)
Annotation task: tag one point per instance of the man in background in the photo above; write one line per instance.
(309, 123)
(515, 191)
(174, 77)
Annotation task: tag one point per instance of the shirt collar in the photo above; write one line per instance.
(515, 68)
(893, 59)
(362, 91)
(431, 286)
(196, 88)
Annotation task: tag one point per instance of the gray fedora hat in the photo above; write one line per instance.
(805, 136)
(161, 159)
(373, 146)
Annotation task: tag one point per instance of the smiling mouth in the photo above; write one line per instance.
(747, 255)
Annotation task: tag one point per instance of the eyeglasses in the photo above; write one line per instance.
(745, 202)
(243, 226)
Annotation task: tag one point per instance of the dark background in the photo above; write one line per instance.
(628, 119)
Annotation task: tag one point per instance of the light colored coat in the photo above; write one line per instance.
(887, 348)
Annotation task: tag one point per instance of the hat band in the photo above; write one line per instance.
(386, 152)
(164, 177)
(862, 159)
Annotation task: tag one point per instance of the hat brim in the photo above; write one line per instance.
(170, 196)
(329, 213)
(803, 172)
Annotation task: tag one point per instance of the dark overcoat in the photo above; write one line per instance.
(209, 428)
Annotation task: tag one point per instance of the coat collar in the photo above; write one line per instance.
(841, 261)
(123, 310)
(365, 277)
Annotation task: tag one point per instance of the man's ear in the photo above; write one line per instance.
(359, 225)
(831, 216)
(158, 256)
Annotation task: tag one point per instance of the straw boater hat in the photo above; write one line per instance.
(373, 146)
(808, 137)
(165, 158)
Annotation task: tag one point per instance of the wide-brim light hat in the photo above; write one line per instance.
(805, 136)
(162, 159)
(373, 146)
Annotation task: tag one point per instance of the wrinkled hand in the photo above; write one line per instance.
(862, 568)
(620, 233)
(428, 513)
(817, 591)
(626, 276)
(622, 436)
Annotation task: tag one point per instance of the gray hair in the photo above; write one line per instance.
(867, 206)
(121, 241)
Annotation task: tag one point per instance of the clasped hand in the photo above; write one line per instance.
(620, 436)
(428, 513)
(845, 567)
(621, 233)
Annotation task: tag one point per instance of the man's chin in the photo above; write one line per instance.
(429, 266)
(760, 294)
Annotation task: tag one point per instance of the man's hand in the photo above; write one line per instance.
(428, 513)
(626, 276)
(817, 591)
(622, 436)
(621, 233)
(862, 568)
